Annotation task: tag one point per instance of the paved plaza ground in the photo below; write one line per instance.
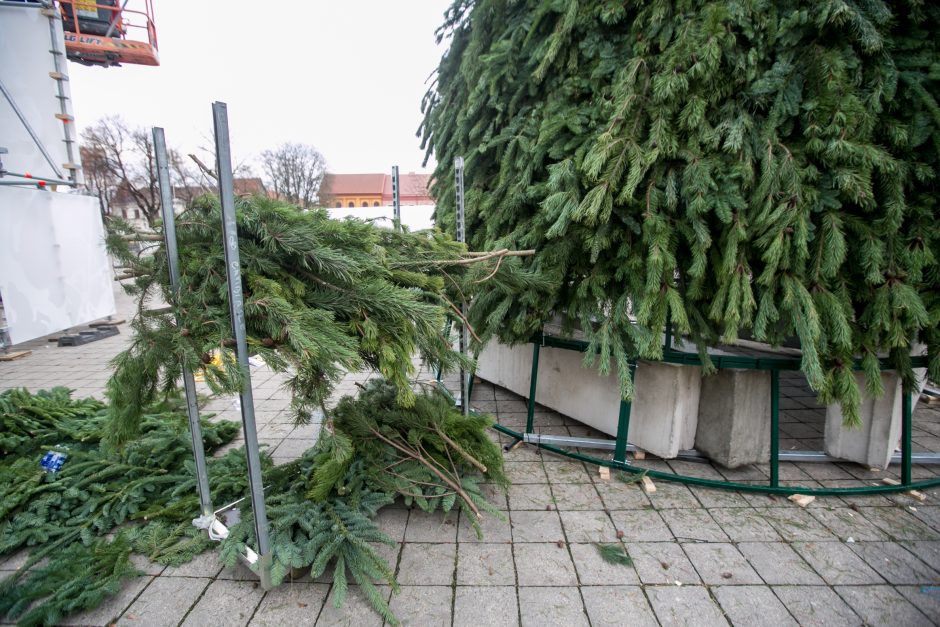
(700, 556)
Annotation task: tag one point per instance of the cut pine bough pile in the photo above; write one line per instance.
(81, 523)
(322, 297)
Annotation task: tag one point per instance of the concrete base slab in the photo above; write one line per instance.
(664, 415)
(734, 417)
(876, 439)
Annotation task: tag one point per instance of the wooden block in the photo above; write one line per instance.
(54, 338)
(516, 445)
(648, 486)
(65, 117)
(14, 355)
(604, 472)
(638, 454)
(801, 499)
(917, 494)
(930, 399)
(59, 76)
(890, 481)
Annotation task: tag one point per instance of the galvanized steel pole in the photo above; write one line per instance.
(172, 258)
(462, 237)
(237, 309)
(396, 199)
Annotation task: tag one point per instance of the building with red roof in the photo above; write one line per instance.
(373, 190)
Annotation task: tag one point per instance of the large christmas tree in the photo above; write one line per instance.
(729, 165)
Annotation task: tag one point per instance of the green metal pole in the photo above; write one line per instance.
(623, 428)
(774, 428)
(668, 339)
(907, 428)
(533, 382)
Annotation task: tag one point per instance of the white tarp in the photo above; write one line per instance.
(54, 270)
(25, 63)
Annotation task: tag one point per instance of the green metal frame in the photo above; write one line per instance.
(774, 365)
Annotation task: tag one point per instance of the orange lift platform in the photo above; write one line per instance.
(106, 33)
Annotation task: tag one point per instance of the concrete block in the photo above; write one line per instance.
(664, 414)
(734, 417)
(874, 442)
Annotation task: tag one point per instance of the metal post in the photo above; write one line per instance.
(462, 238)
(774, 428)
(623, 428)
(237, 310)
(907, 426)
(533, 384)
(60, 91)
(396, 199)
(172, 258)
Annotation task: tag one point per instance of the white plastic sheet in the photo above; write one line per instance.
(54, 270)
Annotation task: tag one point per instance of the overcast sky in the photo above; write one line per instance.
(344, 75)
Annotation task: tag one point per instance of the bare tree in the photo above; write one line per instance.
(119, 164)
(294, 172)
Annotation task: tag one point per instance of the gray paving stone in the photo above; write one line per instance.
(744, 525)
(588, 526)
(662, 563)
(924, 598)
(642, 525)
(778, 563)
(614, 606)
(928, 551)
(752, 605)
(203, 565)
(617, 495)
(686, 605)
(392, 522)
(576, 496)
(164, 602)
(424, 527)
(895, 563)
(536, 497)
(112, 607)
(898, 523)
(836, 563)
(882, 605)
(428, 606)
(551, 606)
(291, 604)
(816, 606)
(721, 564)
(233, 602)
(485, 565)
(536, 527)
(525, 472)
(795, 524)
(594, 571)
(494, 530)
(846, 523)
(712, 498)
(568, 472)
(490, 606)
(673, 496)
(544, 565)
(693, 524)
(425, 564)
(355, 612)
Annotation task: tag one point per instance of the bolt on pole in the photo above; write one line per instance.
(172, 258)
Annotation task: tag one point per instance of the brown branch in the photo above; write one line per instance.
(499, 262)
(467, 456)
(462, 317)
(456, 487)
(202, 166)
